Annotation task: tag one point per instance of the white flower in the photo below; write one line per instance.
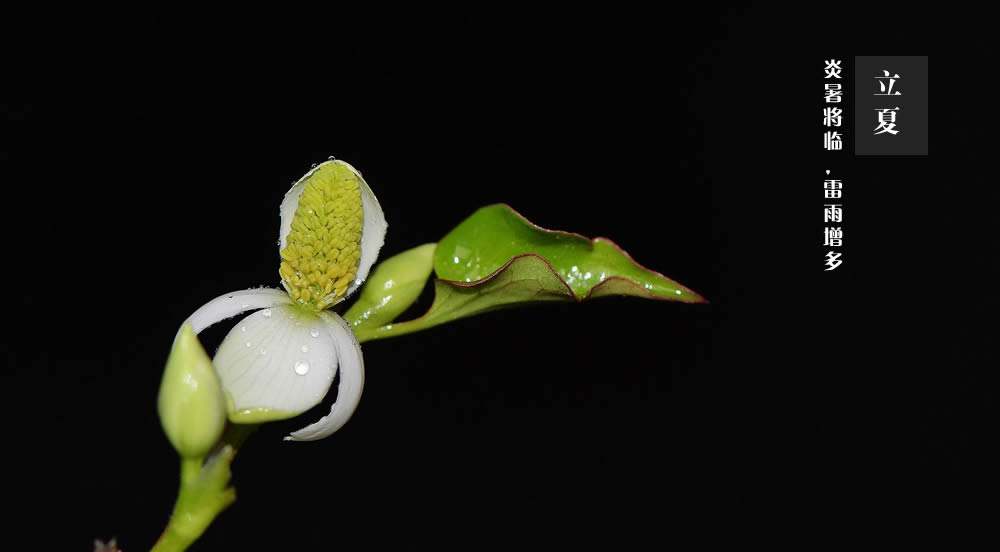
(281, 360)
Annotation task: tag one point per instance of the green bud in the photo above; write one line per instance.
(392, 287)
(191, 404)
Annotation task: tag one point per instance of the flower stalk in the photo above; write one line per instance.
(204, 492)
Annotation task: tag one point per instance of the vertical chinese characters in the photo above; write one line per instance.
(889, 107)
(832, 115)
(833, 236)
(833, 188)
(886, 116)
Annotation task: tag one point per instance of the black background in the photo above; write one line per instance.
(143, 167)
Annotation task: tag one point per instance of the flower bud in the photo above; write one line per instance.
(392, 288)
(192, 406)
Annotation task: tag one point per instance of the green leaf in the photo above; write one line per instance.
(496, 258)
(391, 288)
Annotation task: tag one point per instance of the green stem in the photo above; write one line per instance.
(190, 468)
(392, 330)
(204, 492)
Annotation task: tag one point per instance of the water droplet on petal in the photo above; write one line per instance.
(301, 368)
(243, 328)
(263, 351)
(305, 348)
(314, 332)
(677, 291)
(249, 344)
(266, 313)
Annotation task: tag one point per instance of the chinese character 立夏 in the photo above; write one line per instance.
(832, 116)
(887, 121)
(885, 84)
(833, 213)
(833, 260)
(832, 68)
(833, 237)
(832, 141)
(833, 189)
(833, 91)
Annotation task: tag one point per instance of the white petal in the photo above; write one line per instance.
(352, 382)
(276, 363)
(372, 230)
(288, 206)
(231, 304)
